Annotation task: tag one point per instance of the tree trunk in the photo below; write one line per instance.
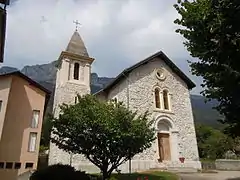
(105, 175)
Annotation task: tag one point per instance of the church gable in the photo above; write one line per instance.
(157, 88)
(159, 56)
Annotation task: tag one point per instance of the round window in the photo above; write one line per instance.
(160, 74)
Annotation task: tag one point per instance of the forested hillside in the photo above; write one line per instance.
(45, 74)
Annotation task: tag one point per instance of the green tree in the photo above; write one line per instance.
(236, 146)
(212, 32)
(212, 143)
(46, 130)
(107, 134)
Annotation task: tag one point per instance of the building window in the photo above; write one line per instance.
(17, 165)
(76, 71)
(32, 142)
(9, 165)
(35, 118)
(1, 165)
(165, 100)
(76, 99)
(69, 71)
(160, 74)
(157, 98)
(0, 105)
(28, 165)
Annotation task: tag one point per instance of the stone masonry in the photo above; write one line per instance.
(137, 91)
(141, 83)
(67, 88)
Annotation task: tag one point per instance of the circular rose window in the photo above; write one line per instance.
(160, 74)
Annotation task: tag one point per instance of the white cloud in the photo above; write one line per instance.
(31, 40)
(116, 33)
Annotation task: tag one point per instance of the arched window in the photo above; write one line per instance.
(76, 71)
(165, 100)
(157, 98)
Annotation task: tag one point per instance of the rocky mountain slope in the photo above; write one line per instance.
(45, 74)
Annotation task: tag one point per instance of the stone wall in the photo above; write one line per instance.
(227, 164)
(65, 92)
(208, 165)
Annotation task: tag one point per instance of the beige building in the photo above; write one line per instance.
(22, 105)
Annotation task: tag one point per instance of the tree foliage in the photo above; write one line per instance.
(59, 172)
(212, 143)
(46, 130)
(212, 32)
(107, 134)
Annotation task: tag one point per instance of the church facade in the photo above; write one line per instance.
(155, 84)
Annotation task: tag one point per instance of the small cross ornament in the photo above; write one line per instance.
(77, 24)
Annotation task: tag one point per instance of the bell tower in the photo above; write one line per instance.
(73, 77)
(73, 74)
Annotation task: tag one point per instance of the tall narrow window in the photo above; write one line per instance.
(165, 100)
(157, 98)
(35, 119)
(32, 142)
(69, 71)
(76, 100)
(76, 71)
(0, 105)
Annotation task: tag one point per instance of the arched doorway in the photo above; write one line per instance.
(164, 140)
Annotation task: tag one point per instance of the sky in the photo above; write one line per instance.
(117, 33)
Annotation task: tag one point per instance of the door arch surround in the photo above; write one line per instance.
(166, 139)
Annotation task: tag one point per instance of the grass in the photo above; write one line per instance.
(154, 175)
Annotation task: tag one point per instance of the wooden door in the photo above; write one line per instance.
(164, 147)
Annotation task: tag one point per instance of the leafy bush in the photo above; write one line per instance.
(42, 149)
(113, 178)
(59, 172)
(212, 143)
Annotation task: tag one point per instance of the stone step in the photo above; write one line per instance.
(158, 169)
(182, 169)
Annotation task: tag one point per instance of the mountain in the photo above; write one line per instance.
(45, 74)
(7, 69)
(203, 111)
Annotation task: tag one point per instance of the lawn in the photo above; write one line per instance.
(155, 175)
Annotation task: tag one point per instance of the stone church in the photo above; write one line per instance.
(155, 84)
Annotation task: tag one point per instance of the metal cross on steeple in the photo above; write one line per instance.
(77, 24)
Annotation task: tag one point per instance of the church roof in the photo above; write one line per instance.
(159, 54)
(76, 45)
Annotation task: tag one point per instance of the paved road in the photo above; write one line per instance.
(220, 175)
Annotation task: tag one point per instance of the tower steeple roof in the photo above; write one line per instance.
(76, 45)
